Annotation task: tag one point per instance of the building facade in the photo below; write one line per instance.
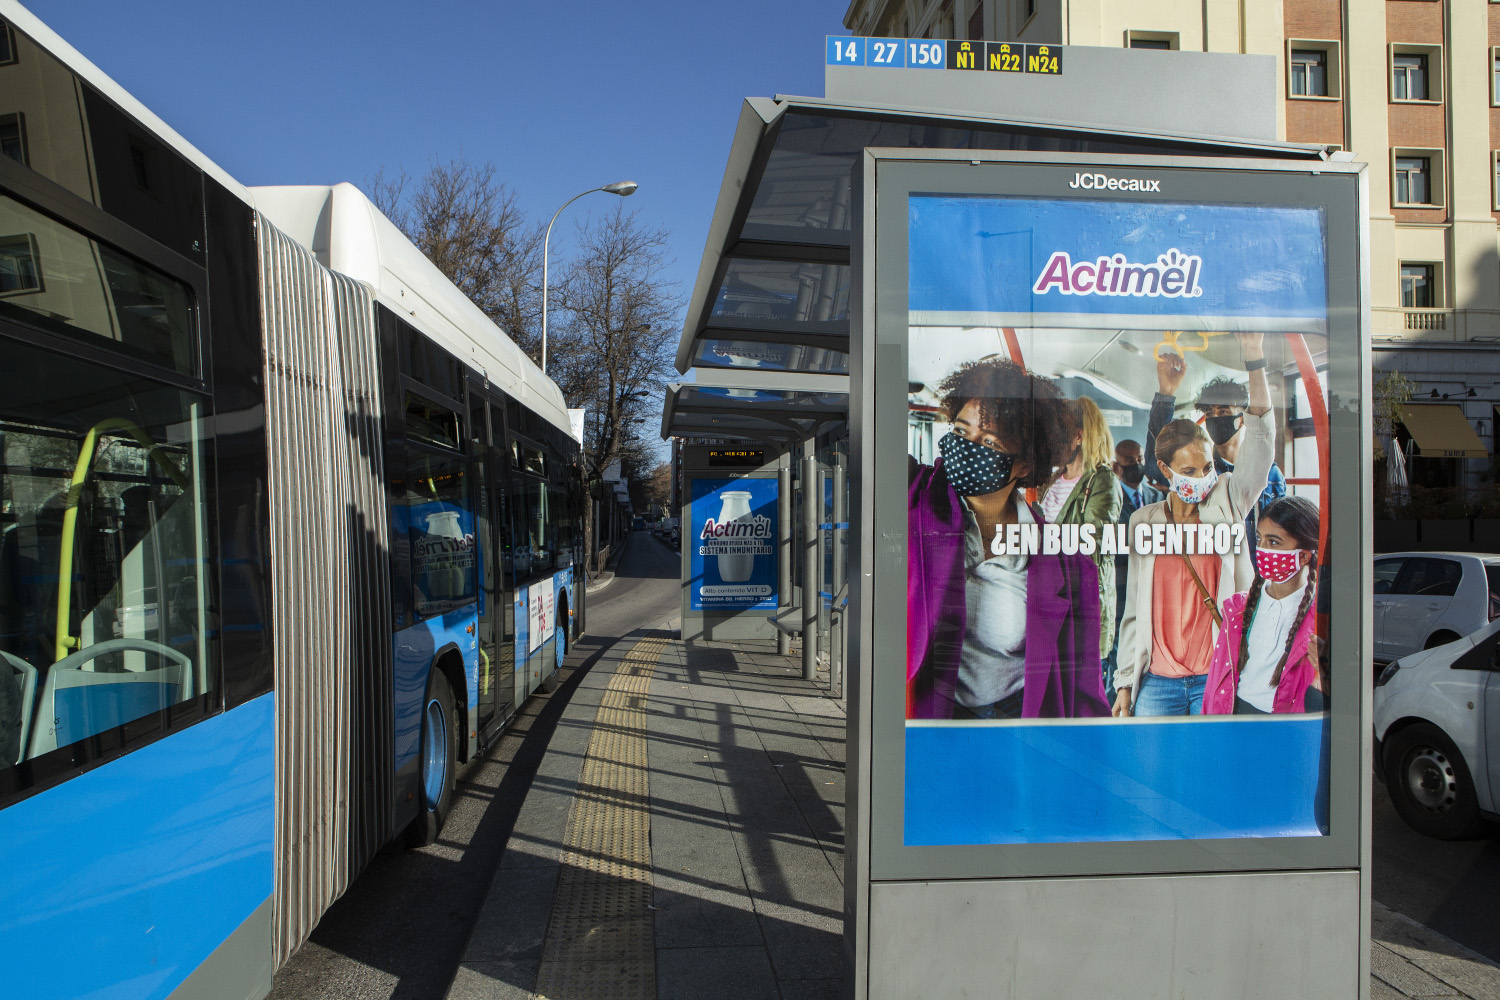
(1410, 86)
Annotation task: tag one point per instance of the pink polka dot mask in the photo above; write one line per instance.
(1278, 565)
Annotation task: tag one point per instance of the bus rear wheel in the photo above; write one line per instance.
(439, 760)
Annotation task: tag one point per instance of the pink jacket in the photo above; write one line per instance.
(1223, 678)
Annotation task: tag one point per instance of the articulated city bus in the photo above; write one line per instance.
(288, 530)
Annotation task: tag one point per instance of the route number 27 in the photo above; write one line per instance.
(884, 53)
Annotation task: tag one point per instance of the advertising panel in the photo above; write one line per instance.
(1117, 518)
(541, 613)
(733, 555)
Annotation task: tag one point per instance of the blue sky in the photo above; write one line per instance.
(561, 97)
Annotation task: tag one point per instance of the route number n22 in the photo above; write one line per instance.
(924, 54)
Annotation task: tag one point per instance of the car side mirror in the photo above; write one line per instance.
(1383, 587)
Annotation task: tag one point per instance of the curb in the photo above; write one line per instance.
(1412, 959)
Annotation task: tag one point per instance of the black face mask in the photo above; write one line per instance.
(1133, 474)
(1221, 429)
(972, 469)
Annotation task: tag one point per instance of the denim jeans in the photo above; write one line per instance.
(1005, 708)
(1170, 695)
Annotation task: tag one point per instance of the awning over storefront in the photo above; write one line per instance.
(1441, 430)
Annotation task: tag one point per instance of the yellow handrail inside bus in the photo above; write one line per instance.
(81, 470)
(1170, 340)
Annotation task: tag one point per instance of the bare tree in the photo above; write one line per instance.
(614, 335)
(469, 225)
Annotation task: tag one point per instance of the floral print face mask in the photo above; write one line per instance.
(1194, 490)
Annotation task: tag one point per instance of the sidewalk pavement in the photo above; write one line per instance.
(683, 840)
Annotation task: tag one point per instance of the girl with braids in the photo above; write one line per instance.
(1271, 664)
(996, 636)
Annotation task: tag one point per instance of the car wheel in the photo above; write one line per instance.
(1430, 785)
(439, 761)
(1441, 639)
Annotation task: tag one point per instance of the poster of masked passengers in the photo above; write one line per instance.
(1116, 431)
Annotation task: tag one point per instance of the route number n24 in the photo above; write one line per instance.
(924, 54)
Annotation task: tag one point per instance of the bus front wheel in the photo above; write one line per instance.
(439, 759)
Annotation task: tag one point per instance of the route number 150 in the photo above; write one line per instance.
(925, 54)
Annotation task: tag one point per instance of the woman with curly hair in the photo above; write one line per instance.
(996, 636)
(1266, 659)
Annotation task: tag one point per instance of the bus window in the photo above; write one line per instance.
(435, 517)
(430, 423)
(535, 550)
(104, 617)
(56, 278)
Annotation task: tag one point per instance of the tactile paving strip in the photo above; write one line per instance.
(600, 938)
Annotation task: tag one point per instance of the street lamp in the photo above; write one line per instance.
(621, 188)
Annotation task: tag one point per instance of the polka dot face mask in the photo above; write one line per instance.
(972, 469)
(1278, 565)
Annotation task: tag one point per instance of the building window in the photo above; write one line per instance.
(1151, 40)
(1418, 289)
(1413, 180)
(1495, 74)
(13, 138)
(20, 265)
(1409, 77)
(1309, 73)
(7, 45)
(1495, 173)
(976, 21)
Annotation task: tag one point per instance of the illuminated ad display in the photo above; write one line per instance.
(1117, 538)
(733, 554)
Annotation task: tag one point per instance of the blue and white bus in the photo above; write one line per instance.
(288, 530)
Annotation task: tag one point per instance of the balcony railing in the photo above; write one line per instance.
(1427, 319)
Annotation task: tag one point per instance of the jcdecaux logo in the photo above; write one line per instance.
(1104, 182)
(1173, 275)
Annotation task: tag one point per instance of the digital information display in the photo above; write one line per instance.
(929, 53)
(738, 458)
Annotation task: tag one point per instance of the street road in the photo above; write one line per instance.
(1451, 886)
(400, 930)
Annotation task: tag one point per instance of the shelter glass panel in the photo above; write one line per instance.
(783, 292)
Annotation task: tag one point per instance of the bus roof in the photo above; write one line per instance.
(348, 234)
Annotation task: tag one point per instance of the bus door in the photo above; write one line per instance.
(496, 695)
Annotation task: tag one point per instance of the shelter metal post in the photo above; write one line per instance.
(837, 615)
(784, 551)
(812, 510)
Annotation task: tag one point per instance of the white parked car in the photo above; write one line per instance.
(1437, 735)
(1427, 599)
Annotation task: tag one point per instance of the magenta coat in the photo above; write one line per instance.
(1064, 678)
(1223, 677)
